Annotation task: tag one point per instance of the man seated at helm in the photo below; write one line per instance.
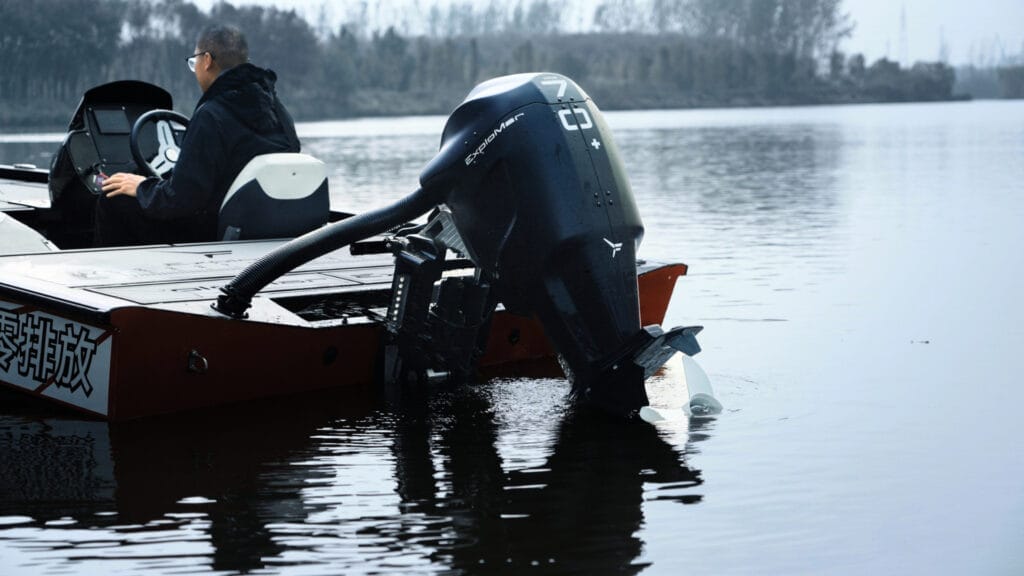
(237, 118)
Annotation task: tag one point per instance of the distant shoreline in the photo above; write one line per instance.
(48, 122)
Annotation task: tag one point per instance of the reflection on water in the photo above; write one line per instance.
(857, 271)
(577, 509)
(341, 481)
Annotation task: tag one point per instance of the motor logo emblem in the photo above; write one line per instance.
(615, 246)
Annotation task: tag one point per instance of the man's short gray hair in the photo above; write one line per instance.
(226, 43)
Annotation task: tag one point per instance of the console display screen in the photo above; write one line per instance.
(112, 121)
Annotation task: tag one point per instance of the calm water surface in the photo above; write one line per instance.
(859, 274)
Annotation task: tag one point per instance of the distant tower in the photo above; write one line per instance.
(943, 46)
(904, 58)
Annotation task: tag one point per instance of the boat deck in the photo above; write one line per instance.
(23, 190)
(184, 278)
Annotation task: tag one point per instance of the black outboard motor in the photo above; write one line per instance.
(528, 186)
(540, 198)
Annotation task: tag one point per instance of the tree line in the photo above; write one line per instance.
(625, 53)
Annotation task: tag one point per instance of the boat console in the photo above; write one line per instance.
(98, 141)
(58, 204)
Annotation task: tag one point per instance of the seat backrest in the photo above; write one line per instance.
(275, 196)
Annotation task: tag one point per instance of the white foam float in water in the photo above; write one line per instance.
(701, 397)
(196, 500)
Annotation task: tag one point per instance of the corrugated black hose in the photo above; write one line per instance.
(237, 294)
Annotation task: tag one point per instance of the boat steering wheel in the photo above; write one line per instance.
(167, 152)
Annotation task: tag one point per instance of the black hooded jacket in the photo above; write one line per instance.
(238, 118)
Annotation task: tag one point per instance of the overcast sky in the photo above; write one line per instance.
(975, 31)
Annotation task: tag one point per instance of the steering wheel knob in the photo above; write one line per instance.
(172, 154)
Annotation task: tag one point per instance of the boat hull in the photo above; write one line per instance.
(150, 343)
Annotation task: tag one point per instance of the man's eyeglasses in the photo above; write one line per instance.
(191, 60)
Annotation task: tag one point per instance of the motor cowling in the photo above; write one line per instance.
(539, 195)
(528, 185)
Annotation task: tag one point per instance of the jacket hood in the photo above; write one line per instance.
(248, 92)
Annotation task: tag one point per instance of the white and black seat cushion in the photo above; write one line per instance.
(275, 196)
